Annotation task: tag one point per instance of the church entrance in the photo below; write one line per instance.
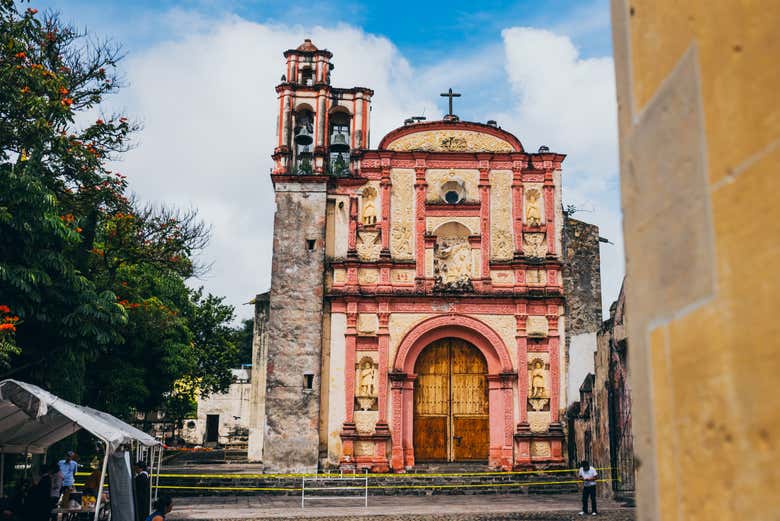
(451, 403)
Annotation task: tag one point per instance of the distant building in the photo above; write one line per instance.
(222, 418)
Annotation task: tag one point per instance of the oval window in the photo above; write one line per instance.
(452, 197)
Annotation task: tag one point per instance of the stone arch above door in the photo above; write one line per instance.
(474, 331)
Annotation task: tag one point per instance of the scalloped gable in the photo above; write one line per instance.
(447, 137)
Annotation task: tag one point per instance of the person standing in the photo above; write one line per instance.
(162, 507)
(69, 467)
(37, 503)
(57, 480)
(588, 475)
(141, 486)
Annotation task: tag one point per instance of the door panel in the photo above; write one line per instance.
(430, 435)
(471, 438)
(451, 403)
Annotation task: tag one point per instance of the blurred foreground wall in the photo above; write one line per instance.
(698, 87)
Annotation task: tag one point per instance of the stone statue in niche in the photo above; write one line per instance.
(452, 264)
(537, 380)
(367, 384)
(538, 398)
(369, 207)
(533, 213)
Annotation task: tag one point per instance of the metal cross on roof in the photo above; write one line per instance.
(450, 94)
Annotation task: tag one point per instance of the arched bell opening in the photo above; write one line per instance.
(303, 138)
(339, 139)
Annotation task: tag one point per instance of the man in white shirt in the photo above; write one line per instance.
(588, 475)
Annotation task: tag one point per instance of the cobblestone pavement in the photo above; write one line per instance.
(402, 508)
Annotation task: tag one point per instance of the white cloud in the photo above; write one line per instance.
(568, 103)
(206, 99)
(208, 106)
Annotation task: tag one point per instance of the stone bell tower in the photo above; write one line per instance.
(321, 131)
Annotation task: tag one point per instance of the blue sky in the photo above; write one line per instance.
(200, 77)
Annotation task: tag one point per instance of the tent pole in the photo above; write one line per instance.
(159, 470)
(102, 480)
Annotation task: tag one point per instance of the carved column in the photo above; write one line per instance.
(383, 334)
(517, 206)
(507, 380)
(522, 365)
(420, 192)
(353, 221)
(549, 211)
(484, 220)
(385, 185)
(496, 414)
(555, 367)
(408, 407)
(396, 432)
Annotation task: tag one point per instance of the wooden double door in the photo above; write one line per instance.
(451, 403)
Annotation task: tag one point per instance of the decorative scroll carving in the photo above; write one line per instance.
(538, 421)
(402, 201)
(364, 448)
(533, 212)
(450, 141)
(368, 246)
(534, 244)
(368, 276)
(501, 238)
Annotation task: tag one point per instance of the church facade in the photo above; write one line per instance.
(417, 305)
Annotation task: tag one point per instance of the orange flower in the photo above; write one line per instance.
(32, 10)
(78, 230)
(99, 122)
(67, 102)
(21, 55)
(7, 327)
(63, 91)
(4, 309)
(25, 89)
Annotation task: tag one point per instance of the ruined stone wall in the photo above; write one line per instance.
(258, 380)
(582, 287)
(699, 127)
(295, 329)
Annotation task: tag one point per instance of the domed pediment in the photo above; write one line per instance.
(446, 137)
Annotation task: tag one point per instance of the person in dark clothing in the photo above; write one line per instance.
(141, 486)
(589, 476)
(162, 506)
(37, 504)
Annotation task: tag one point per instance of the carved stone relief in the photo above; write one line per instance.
(367, 324)
(368, 276)
(452, 260)
(364, 448)
(540, 449)
(534, 244)
(536, 326)
(538, 421)
(339, 276)
(501, 237)
(451, 141)
(365, 421)
(402, 206)
(502, 277)
(402, 276)
(368, 245)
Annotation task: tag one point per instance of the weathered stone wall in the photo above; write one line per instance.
(582, 287)
(233, 409)
(258, 380)
(295, 329)
(699, 127)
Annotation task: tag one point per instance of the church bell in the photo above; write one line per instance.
(303, 136)
(339, 143)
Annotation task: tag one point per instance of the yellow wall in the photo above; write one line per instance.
(698, 93)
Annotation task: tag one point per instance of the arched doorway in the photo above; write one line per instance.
(451, 421)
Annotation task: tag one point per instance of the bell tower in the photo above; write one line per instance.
(321, 133)
(319, 127)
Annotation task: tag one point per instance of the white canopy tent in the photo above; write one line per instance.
(32, 419)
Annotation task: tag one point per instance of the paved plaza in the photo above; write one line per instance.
(461, 508)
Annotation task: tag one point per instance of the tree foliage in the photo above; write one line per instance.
(93, 300)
